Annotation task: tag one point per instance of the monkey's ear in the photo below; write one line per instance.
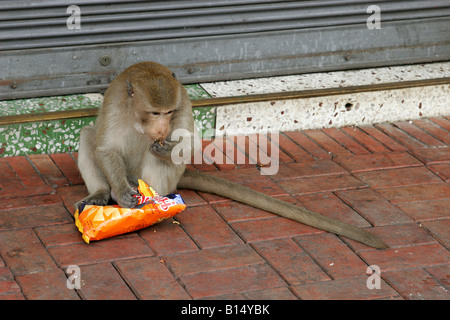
(130, 90)
(173, 75)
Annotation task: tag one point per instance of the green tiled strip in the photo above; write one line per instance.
(62, 135)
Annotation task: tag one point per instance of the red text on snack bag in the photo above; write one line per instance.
(165, 203)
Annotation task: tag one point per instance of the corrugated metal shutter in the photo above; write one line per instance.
(208, 40)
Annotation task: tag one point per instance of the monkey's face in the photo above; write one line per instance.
(153, 123)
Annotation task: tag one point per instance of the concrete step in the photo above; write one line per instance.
(242, 107)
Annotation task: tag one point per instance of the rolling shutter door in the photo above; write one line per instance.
(208, 40)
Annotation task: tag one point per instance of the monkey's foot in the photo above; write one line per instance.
(96, 199)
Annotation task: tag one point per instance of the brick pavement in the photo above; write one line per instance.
(390, 178)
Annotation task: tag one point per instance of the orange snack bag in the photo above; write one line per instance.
(100, 222)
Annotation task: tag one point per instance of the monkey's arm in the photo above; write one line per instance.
(206, 183)
(113, 167)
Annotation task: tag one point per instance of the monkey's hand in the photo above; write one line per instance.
(162, 149)
(125, 198)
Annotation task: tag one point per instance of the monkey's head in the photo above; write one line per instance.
(154, 99)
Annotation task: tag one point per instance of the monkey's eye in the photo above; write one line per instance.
(169, 112)
(152, 113)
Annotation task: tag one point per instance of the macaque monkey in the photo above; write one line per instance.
(131, 139)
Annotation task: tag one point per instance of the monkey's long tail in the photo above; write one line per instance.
(210, 184)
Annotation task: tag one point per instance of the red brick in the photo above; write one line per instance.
(439, 229)
(419, 134)
(234, 280)
(321, 184)
(167, 237)
(396, 236)
(226, 296)
(8, 287)
(23, 252)
(227, 158)
(199, 164)
(199, 161)
(271, 228)
(377, 161)
(9, 183)
(28, 175)
(206, 227)
(433, 129)
(400, 136)
(59, 235)
(241, 158)
(68, 167)
(254, 150)
(12, 296)
(432, 155)
(443, 123)
(282, 293)
(416, 284)
(366, 140)
(383, 138)
(307, 169)
(150, 279)
(250, 177)
(212, 259)
(102, 282)
(426, 210)
(308, 145)
(33, 217)
(397, 177)
(335, 258)
(100, 251)
(234, 211)
(442, 170)
(346, 141)
(267, 187)
(241, 175)
(5, 274)
(207, 148)
(245, 147)
(441, 273)
(294, 150)
(270, 294)
(267, 143)
(407, 257)
(343, 289)
(71, 195)
(326, 142)
(213, 198)
(46, 285)
(373, 207)
(7, 283)
(18, 178)
(418, 192)
(331, 206)
(191, 198)
(49, 171)
(29, 202)
(290, 261)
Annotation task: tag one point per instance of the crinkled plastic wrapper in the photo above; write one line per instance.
(100, 222)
